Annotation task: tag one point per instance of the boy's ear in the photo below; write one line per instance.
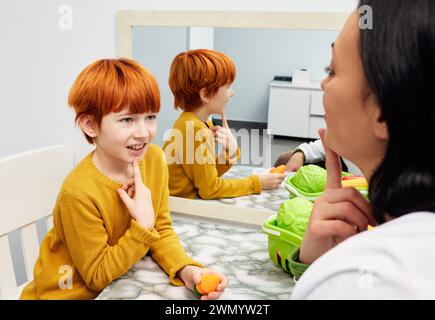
(88, 124)
(203, 94)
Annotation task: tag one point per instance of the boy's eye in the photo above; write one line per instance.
(126, 120)
(152, 117)
(329, 71)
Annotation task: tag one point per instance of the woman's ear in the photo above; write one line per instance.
(203, 94)
(379, 124)
(88, 125)
(381, 128)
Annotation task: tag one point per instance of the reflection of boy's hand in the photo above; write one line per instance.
(270, 181)
(137, 198)
(338, 213)
(225, 138)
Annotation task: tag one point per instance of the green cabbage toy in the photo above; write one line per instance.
(294, 214)
(310, 179)
(308, 182)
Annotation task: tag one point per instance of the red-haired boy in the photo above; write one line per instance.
(112, 208)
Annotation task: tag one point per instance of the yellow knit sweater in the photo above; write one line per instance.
(95, 238)
(189, 178)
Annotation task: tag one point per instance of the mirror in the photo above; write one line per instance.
(261, 44)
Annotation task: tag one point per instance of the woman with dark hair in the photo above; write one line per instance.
(379, 101)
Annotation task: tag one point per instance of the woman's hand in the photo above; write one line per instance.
(137, 198)
(225, 138)
(295, 162)
(192, 275)
(338, 213)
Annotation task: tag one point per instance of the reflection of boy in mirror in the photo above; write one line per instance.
(201, 83)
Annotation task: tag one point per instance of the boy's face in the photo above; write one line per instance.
(124, 136)
(218, 102)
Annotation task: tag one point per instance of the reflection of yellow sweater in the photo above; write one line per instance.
(188, 177)
(95, 239)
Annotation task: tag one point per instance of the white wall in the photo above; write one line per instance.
(261, 54)
(156, 55)
(39, 61)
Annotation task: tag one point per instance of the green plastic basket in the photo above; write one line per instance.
(311, 196)
(295, 192)
(280, 243)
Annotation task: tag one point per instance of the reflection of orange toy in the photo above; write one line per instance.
(209, 283)
(279, 169)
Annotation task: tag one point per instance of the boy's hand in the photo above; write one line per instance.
(137, 198)
(338, 213)
(192, 275)
(225, 138)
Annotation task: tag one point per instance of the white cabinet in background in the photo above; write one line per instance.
(295, 111)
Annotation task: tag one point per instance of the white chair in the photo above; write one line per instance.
(30, 183)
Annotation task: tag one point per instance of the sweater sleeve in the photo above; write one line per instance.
(205, 176)
(224, 163)
(87, 240)
(168, 251)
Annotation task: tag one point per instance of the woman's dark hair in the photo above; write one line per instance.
(398, 56)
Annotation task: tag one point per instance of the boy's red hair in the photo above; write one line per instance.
(110, 85)
(196, 69)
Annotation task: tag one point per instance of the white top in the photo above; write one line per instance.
(396, 260)
(314, 152)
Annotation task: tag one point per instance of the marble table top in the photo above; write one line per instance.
(268, 199)
(237, 251)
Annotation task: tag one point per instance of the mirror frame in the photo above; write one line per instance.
(221, 19)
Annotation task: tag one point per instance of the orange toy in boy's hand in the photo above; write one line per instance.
(279, 169)
(209, 282)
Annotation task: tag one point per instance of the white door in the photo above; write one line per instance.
(289, 112)
(316, 122)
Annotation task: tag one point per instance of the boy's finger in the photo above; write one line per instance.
(131, 192)
(128, 184)
(224, 121)
(196, 278)
(213, 295)
(223, 283)
(136, 172)
(333, 165)
(124, 197)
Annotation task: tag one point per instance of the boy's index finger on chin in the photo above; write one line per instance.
(136, 170)
(224, 121)
(333, 165)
